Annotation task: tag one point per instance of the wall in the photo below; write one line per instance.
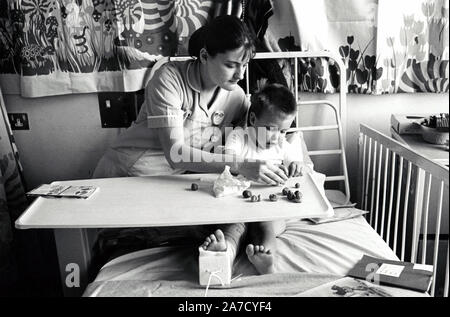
(66, 139)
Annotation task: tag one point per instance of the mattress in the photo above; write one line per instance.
(307, 256)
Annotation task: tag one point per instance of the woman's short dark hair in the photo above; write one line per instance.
(273, 99)
(221, 34)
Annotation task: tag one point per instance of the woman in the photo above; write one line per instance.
(188, 106)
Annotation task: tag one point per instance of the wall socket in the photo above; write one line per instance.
(19, 121)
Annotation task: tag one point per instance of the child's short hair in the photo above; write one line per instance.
(273, 98)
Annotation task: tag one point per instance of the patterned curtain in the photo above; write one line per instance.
(12, 193)
(386, 46)
(52, 47)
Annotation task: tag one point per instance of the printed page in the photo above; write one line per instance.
(351, 287)
(48, 190)
(78, 191)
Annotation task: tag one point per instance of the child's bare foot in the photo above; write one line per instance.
(262, 259)
(215, 242)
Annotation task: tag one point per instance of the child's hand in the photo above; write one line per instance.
(298, 169)
(262, 171)
(295, 169)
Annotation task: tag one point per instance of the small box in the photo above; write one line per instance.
(404, 123)
(214, 263)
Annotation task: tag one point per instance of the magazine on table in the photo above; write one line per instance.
(407, 275)
(352, 287)
(58, 190)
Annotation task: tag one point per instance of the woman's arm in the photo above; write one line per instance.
(165, 114)
(182, 156)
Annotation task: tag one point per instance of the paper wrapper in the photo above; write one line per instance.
(227, 184)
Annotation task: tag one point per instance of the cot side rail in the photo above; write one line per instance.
(394, 186)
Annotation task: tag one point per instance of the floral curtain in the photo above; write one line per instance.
(386, 46)
(51, 47)
(413, 46)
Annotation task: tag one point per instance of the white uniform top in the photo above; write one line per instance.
(173, 98)
(243, 143)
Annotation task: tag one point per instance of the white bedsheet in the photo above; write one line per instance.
(330, 249)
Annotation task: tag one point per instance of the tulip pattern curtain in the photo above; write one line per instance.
(51, 47)
(387, 46)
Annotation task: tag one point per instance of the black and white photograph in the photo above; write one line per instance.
(240, 151)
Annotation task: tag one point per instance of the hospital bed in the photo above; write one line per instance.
(308, 255)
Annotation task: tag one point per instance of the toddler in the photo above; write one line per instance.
(271, 114)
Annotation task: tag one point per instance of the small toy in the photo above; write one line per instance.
(194, 187)
(285, 191)
(298, 196)
(297, 185)
(273, 197)
(254, 198)
(247, 194)
(290, 195)
(297, 200)
(259, 197)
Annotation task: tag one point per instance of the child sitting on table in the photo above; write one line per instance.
(271, 114)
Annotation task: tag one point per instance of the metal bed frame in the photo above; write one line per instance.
(384, 163)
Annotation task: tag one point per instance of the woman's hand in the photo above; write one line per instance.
(262, 171)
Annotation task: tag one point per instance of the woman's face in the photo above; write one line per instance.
(226, 69)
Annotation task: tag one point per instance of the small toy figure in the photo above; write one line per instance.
(247, 194)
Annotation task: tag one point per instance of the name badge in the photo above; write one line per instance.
(187, 114)
(218, 117)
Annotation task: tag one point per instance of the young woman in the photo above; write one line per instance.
(188, 106)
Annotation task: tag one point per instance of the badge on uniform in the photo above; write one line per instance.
(218, 117)
(187, 114)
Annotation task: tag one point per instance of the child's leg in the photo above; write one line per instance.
(227, 237)
(279, 226)
(263, 247)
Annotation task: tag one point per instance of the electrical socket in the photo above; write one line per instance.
(19, 121)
